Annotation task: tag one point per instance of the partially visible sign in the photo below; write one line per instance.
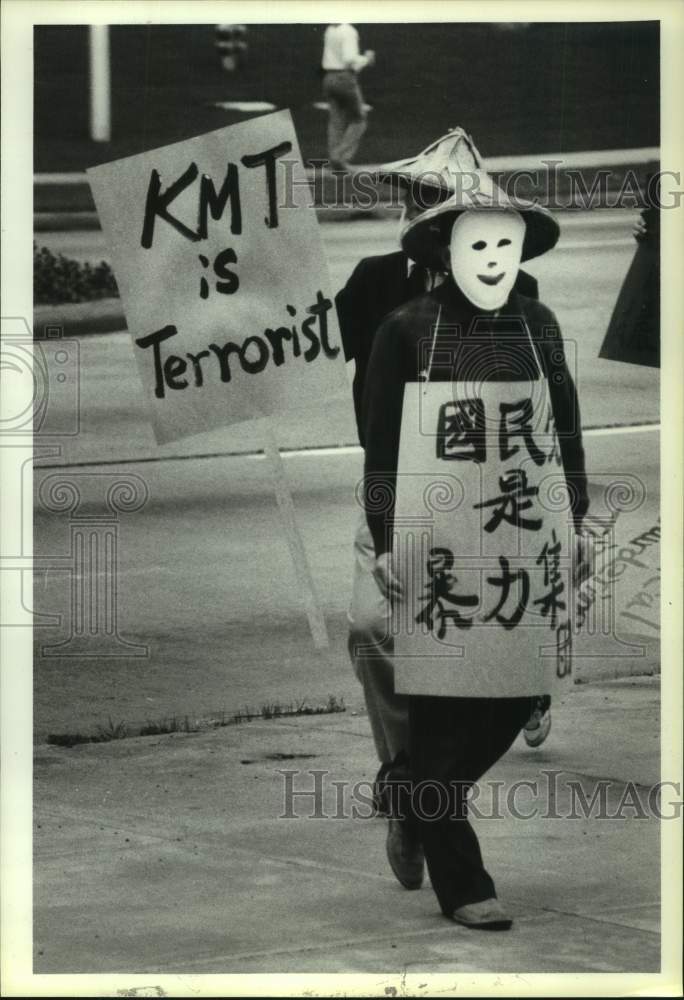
(483, 542)
(633, 333)
(223, 278)
(617, 617)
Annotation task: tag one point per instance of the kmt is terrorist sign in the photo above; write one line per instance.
(223, 278)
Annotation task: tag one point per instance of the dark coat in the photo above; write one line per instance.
(377, 286)
(396, 359)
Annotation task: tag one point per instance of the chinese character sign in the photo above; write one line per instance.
(486, 577)
(223, 278)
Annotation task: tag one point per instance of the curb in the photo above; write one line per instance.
(64, 202)
(65, 221)
(55, 196)
(81, 221)
(74, 319)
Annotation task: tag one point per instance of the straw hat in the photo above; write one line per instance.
(426, 180)
(425, 234)
(453, 153)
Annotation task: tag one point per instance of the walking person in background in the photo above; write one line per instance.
(342, 62)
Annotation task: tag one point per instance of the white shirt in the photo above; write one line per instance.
(341, 48)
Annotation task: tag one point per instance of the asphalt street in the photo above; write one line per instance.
(205, 580)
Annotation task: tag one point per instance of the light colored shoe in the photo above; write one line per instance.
(489, 915)
(405, 854)
(538, 726)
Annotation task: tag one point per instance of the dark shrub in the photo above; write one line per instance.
(58, 279)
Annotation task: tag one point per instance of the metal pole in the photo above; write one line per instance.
(100, 91)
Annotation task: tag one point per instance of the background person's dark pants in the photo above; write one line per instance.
(456, 740)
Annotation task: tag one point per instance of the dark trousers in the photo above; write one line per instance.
(453, 742)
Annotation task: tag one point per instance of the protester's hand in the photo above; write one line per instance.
(370, 57)
(583, 564)
(640, 230)
(387, 581)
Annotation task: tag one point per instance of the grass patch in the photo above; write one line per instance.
(105, 734)
(275, 710)
(172, 725)
(186, 724)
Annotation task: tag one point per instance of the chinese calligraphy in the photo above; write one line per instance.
(504, 582)
(442, 604)
(461, 430)
(563, 650)
(514, 498)
(439, 592)
(549, 558)
(516, 422)
(521, 440)
(554, 454)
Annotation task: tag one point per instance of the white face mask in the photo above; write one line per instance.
(486, 247)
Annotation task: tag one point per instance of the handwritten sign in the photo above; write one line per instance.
(617, 620)
(223, 278)
(482, 543)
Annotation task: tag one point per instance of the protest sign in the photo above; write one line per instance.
(617, 619)
(482, 543)
(224, 284)
(633, 334)
(223, 278)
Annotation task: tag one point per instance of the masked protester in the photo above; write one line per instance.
(479, 239)
(377, 286)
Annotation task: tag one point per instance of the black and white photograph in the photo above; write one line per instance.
(340, 431)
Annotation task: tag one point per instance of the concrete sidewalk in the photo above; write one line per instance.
(167, 854)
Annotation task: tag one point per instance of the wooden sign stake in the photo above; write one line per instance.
(307, 588)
